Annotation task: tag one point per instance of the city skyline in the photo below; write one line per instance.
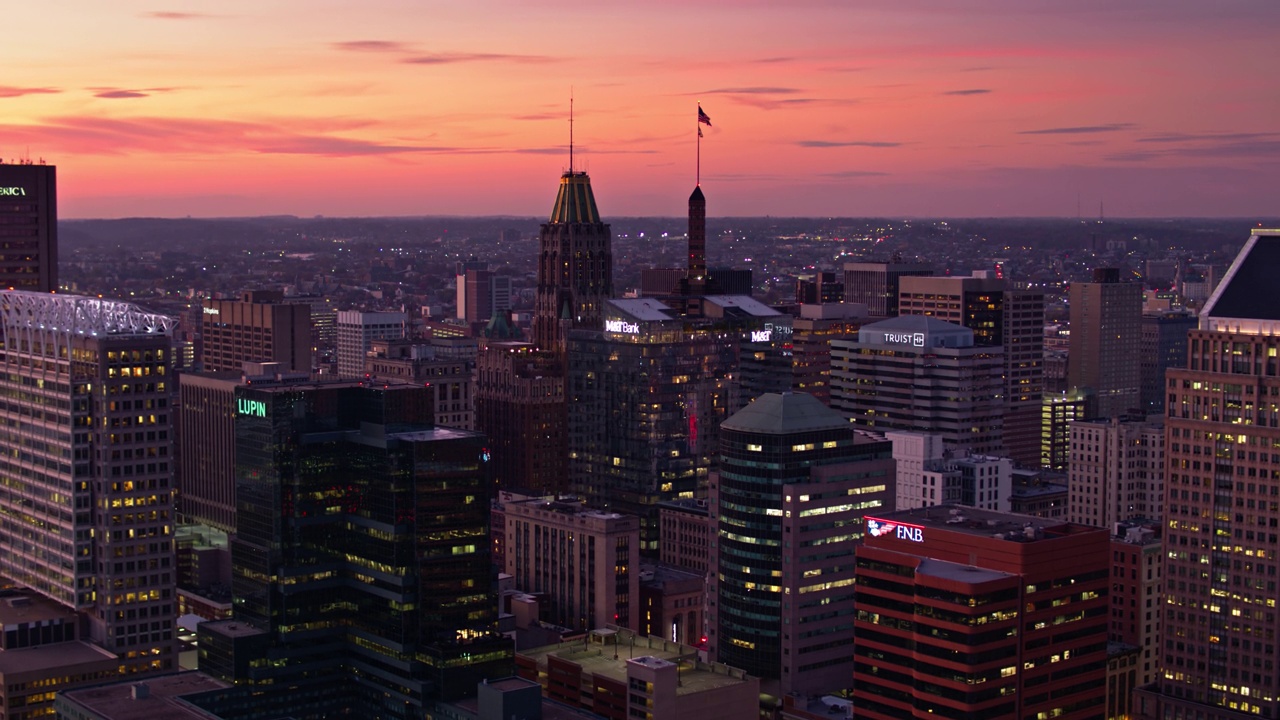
(996, 108)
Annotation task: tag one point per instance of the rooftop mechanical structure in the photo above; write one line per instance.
(79, 314)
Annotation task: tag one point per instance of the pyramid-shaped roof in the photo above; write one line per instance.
(575, 203)
(785, 414)
(1246, 291)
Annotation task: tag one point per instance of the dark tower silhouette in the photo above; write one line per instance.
(697, 240)
(575, 265)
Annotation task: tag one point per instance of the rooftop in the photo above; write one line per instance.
(958, 572)
(575, 203)
(55, 656)
(742, 304)
(670, 578)
(1246, 290)
(987, 523)
(231, 628)
(686, 505)
(116, 701)
(439, 432)
(19, 606)
(78, 314)
(643, 309)
(599, 659)
(784, 414)
(930, 327)
(564, 506)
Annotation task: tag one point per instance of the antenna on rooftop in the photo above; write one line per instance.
(571, 130)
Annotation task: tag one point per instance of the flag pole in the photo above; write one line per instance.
(697, 125)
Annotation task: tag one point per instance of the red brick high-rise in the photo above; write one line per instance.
(974, 613)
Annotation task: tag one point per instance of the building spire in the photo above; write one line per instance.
(570, 130)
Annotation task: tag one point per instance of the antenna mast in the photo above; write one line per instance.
(570, 131)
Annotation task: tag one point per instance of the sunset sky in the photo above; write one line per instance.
(835, 107)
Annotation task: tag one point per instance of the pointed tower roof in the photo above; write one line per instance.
(575, 203)
(500, 328)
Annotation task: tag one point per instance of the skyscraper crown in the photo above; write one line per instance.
(575, 203)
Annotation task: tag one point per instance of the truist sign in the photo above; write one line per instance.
(903, 531)
(13, 192)
(902, 338)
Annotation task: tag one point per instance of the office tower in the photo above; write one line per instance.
(586, 563)
(1058, 412)
(361, 556)
(575, 265)
(206, 412)
(730, 281)
(918, 373)
(686, 528)
(648, 395)
(206, 457)
(1106, 336)
(913, 454)
(1000, 316)
(973, 613)
(1115, 472)
(1055, 371)
(356, 332)
(29, 216)
(88, 494)
(763, 337)
(929, 474)
(259, 327)
(1222, 422)
(811, 335)
(820, 288)
(1164, 346)
(661, 282)
(520, 405)
(324, 328)
(461, 268)
(482, 294)
(793, 485)
(876, 284)
(1137, 596)
(1041, 493)
(450, 375)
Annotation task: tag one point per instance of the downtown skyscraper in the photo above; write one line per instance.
(361, 558)
(28, 226)
(86, 479)
(1106, 335)
(520, 387)
(1222, 505)
(575, 265)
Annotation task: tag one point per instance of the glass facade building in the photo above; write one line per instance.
(793, 484)
(648, 395)
(362, 550)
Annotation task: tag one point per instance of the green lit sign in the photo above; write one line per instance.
(253, 408)
(13, 191)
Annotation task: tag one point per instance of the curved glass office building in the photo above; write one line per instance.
(793, 484)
